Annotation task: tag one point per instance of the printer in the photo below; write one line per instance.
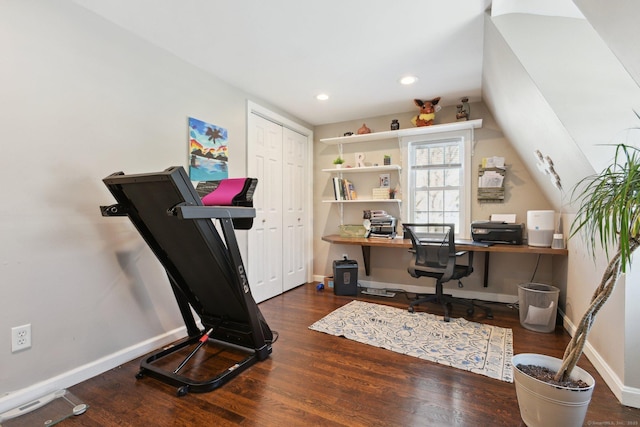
(497, 232)
(380, 227)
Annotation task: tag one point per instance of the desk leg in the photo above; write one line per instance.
(486, 269)
(366, 255)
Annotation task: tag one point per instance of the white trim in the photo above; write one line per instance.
(267, 114)
(628, 396)
(67, 379)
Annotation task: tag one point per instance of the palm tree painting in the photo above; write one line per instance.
(207, 151)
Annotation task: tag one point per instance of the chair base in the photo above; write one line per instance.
(446, 302)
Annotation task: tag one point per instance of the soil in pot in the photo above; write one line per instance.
(547, 375)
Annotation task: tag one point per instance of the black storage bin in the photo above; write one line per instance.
(345, 277)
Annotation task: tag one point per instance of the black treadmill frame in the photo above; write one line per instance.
(205, 270)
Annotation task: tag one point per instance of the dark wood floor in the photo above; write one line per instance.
(315, 379)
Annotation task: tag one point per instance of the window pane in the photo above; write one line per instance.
(436, 201)
(422, 156)
(436, 217)
(451, 200)
(421, 217)
(452, 218)
(453, 154)
(452, 178)
(422, 178)
(436, 156)
(421, 198)
(435, 178)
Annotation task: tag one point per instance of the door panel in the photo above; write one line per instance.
(295, 190)
(264, 262)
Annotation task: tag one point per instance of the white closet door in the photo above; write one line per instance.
(264, 263)
(295, 190)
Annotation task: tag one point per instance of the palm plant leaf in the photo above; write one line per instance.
(609, 205)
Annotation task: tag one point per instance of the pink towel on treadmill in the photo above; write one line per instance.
(225, 192)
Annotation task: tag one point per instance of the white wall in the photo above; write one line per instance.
(81, 99)
(616, 22)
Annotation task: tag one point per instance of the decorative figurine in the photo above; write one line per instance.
(364, 129)
(427, 112)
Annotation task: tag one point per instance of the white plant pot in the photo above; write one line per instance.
(338, 166)
(544, 404)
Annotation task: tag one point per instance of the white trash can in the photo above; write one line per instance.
(538, 306)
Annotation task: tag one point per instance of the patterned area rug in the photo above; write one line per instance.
(471, 346)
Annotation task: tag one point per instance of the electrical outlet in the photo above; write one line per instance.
(20, 338)
(345, 256)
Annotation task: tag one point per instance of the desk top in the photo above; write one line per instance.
(464, 245)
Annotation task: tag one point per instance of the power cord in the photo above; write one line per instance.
(535, 269)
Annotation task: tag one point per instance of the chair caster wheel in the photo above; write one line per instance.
(182, 391)
(139, 375)
(411, 309)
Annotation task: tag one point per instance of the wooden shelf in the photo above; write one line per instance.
(424, 130)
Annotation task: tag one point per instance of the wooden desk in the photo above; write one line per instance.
(461, 245)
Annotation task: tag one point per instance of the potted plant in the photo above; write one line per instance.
(338, 161)
(608, 216)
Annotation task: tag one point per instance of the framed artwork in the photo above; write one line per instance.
(207, 151)
(385, 180)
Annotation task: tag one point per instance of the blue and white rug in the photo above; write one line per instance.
(471, 346)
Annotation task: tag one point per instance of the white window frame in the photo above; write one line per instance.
(466, 143)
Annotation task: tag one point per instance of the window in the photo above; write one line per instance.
(438, 180)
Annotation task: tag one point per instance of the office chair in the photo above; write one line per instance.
(435, 256)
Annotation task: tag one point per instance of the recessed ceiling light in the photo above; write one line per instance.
(322, 97)
(408, 80)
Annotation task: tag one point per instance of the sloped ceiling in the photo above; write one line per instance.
(569, 78)
(617, 23)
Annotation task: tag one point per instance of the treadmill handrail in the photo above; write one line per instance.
(203, 212)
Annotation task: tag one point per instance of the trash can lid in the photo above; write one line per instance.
(538, 287)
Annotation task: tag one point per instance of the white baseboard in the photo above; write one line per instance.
(67, 379)
(628, 396)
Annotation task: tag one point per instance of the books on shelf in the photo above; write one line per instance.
(343, 189)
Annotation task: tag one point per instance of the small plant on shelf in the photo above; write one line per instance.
(338, 161)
